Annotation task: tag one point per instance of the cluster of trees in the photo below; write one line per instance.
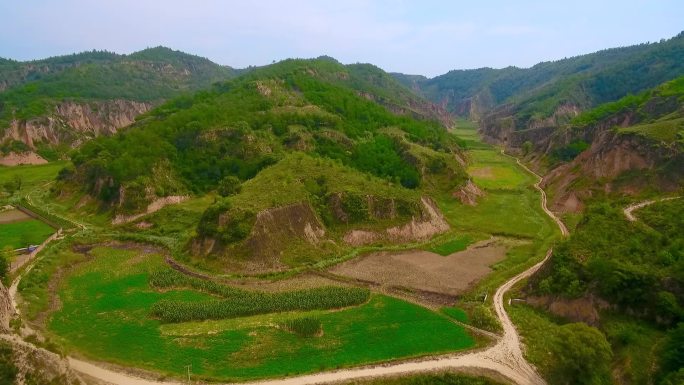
(569, 152)
(13, 145)
(626, 263)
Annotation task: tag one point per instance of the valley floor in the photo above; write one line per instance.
(95, 304)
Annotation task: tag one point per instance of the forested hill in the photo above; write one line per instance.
(240, 126)
(530, 95)
(67, 99)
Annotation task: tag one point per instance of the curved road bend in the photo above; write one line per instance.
(505, 357)
(636, 206)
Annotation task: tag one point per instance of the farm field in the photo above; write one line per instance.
(424, 270)
(31, 175)
(105, 315)
(19, 230)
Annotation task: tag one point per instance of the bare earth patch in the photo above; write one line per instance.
(481, 172)
(13, 215)
(426, 271)
(15, 159)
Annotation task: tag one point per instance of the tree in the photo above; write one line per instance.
(526, 147)
(673, 352)
(582, 355)
(229, 185)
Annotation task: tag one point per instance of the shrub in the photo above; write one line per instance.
(483, 318)
(229, 185)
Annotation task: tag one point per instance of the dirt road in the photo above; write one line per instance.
(629, 210)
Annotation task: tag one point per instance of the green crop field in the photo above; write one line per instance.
(105, 315)
(23, 233)
(31, 176)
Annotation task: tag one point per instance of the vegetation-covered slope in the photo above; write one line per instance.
(66, 98)
(529, 96)
(362, 164)
(627, 278)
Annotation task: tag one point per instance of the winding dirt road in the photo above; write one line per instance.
(629, 210)
(505, 357)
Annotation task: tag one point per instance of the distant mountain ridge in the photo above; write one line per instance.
(529, 96)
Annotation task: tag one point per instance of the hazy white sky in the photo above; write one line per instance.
(426, 37)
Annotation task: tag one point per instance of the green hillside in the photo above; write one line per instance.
(151, 75)
(656, 114)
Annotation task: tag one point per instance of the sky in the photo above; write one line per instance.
(424, 37)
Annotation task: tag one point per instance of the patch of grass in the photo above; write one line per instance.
(664, 130)
(304, 327)
(456, 313)
(635, 346)
(34, 286)
(31, 176)
(104, 315)
(174, 224)
(24, 233)
(491, 170)
(459, 243)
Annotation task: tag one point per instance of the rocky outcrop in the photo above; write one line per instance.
(73, 122)
(277, 228)
(584, 309)
(155, 206)
(6, 309)
(422, 227)
(469, 194)
(15, 159)
(502, 127)
(604, 164)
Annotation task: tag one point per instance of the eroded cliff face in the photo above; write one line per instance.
(501, 127)
(417, 109)
(74, 122)
(624, 163)
(6, 309)
(614, 163)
